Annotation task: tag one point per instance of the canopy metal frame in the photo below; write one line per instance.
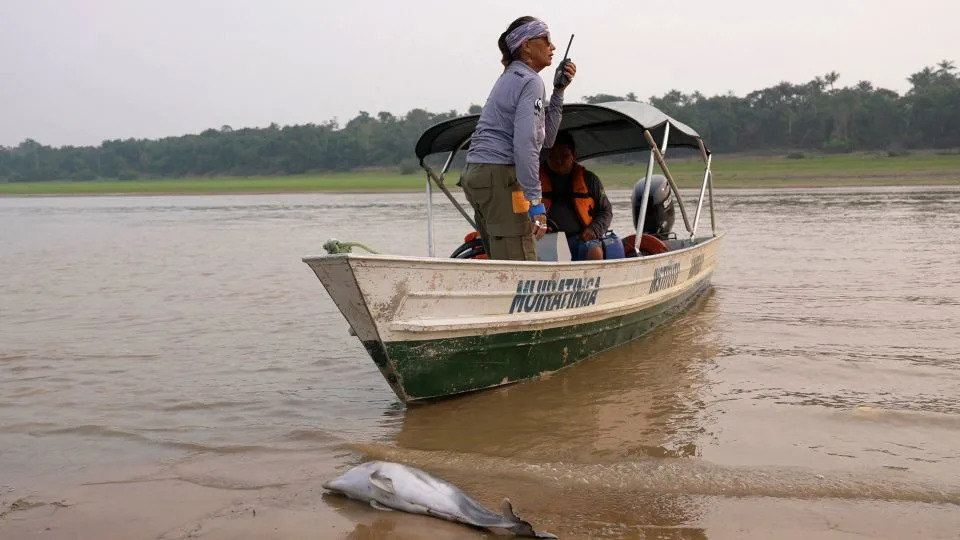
(689, 138)
(438, 179)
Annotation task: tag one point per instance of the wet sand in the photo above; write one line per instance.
(279, 497)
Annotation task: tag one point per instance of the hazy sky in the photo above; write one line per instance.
(78, 72)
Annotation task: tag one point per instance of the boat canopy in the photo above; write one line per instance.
(598, 129)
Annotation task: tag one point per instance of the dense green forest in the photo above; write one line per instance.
(814, 116)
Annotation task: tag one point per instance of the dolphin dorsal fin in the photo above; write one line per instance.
(507, 509)
(381, 482)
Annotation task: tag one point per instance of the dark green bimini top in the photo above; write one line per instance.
(601, 129)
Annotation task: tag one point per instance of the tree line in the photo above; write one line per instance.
(813, 116)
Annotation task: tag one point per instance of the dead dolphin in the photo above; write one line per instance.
(387, 486)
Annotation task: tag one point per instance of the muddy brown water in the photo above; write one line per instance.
(814, 390)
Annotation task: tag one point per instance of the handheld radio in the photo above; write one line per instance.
(560, 78)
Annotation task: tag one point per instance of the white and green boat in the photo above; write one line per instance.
(438, 326)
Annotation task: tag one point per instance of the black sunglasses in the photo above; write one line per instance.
(546, 37)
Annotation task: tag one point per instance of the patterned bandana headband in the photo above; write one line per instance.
(527, 31)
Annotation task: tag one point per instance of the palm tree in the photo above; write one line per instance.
(831, 78)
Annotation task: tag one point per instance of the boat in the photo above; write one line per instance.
(438, 326)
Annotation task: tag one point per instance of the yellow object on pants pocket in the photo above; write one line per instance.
(520, 203)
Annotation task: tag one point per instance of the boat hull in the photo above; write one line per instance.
(437, 327)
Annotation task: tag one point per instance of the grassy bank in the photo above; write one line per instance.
(733, 171)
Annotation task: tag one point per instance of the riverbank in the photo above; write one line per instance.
(734, 171)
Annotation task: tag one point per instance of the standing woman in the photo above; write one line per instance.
(502, 175)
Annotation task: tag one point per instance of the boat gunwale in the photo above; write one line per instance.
(494, 263)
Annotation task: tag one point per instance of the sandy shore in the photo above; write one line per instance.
(278, 496)
(220, 497)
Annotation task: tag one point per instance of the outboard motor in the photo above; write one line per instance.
(659, 218)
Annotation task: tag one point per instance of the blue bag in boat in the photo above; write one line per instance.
(612, 246)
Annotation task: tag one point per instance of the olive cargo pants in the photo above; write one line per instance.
(500, 210)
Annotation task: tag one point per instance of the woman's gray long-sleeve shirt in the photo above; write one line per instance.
(514, 125)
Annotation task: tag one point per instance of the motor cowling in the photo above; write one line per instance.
(660, 211)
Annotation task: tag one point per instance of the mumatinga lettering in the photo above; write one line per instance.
(696, 265)
(552, 294)
(665, 276)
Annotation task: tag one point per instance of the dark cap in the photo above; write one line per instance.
(565, 137)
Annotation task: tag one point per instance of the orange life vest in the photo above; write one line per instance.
(582, 200)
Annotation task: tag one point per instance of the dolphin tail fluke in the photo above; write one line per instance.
(522, 528)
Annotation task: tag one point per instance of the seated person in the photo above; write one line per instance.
(575, 201)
